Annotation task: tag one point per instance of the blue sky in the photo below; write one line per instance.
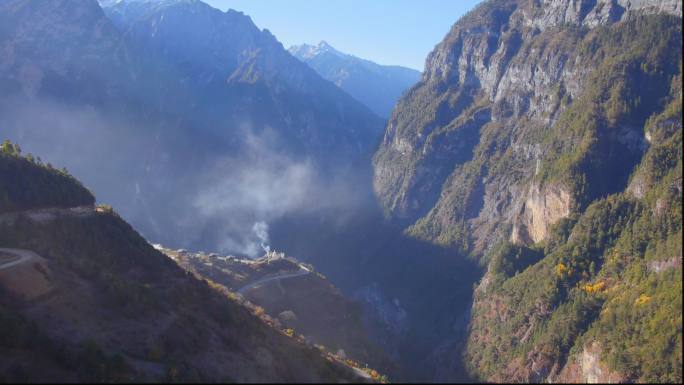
(398, 32)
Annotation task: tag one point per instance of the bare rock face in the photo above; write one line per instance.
(637, 187)
(594, 13)
(541, 210)
(587, 368)
(660, 266)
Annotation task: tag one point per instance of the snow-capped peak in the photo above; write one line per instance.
(307, 51)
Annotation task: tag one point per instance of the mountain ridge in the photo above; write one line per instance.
(377, 86)
(96, 84)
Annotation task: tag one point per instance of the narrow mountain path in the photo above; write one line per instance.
(250, 286)
(21, 256)
(48, 214)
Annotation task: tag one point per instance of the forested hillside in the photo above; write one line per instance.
(545, 141)
(29, 183)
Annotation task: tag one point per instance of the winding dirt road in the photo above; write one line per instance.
(24, 273)
(303, 271)
(48, 214)
(22, 256)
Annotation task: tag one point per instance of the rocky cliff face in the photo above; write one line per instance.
(540, 210)
(480, 117)
(588, 369)
(519, 146)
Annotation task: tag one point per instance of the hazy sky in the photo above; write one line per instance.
(399, 32)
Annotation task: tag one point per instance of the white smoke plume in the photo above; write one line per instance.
(229, 205)
(260, 229)
(243, 194)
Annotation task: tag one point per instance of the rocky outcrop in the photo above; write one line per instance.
(660, 266)
(542, 208)
(587, 368)
(552, 13)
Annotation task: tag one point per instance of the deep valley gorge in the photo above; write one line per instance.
(185, 199)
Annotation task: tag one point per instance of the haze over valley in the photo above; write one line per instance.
(183, 198)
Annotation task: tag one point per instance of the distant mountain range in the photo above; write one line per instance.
(377, 86)
(183, 92)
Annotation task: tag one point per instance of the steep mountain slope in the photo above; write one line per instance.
(115, 309)
(527, 144)
(377, 86)
(227, 57)
(44, 44)
(293, 296)
(477, 125)
(146, 117)
(605, 301)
